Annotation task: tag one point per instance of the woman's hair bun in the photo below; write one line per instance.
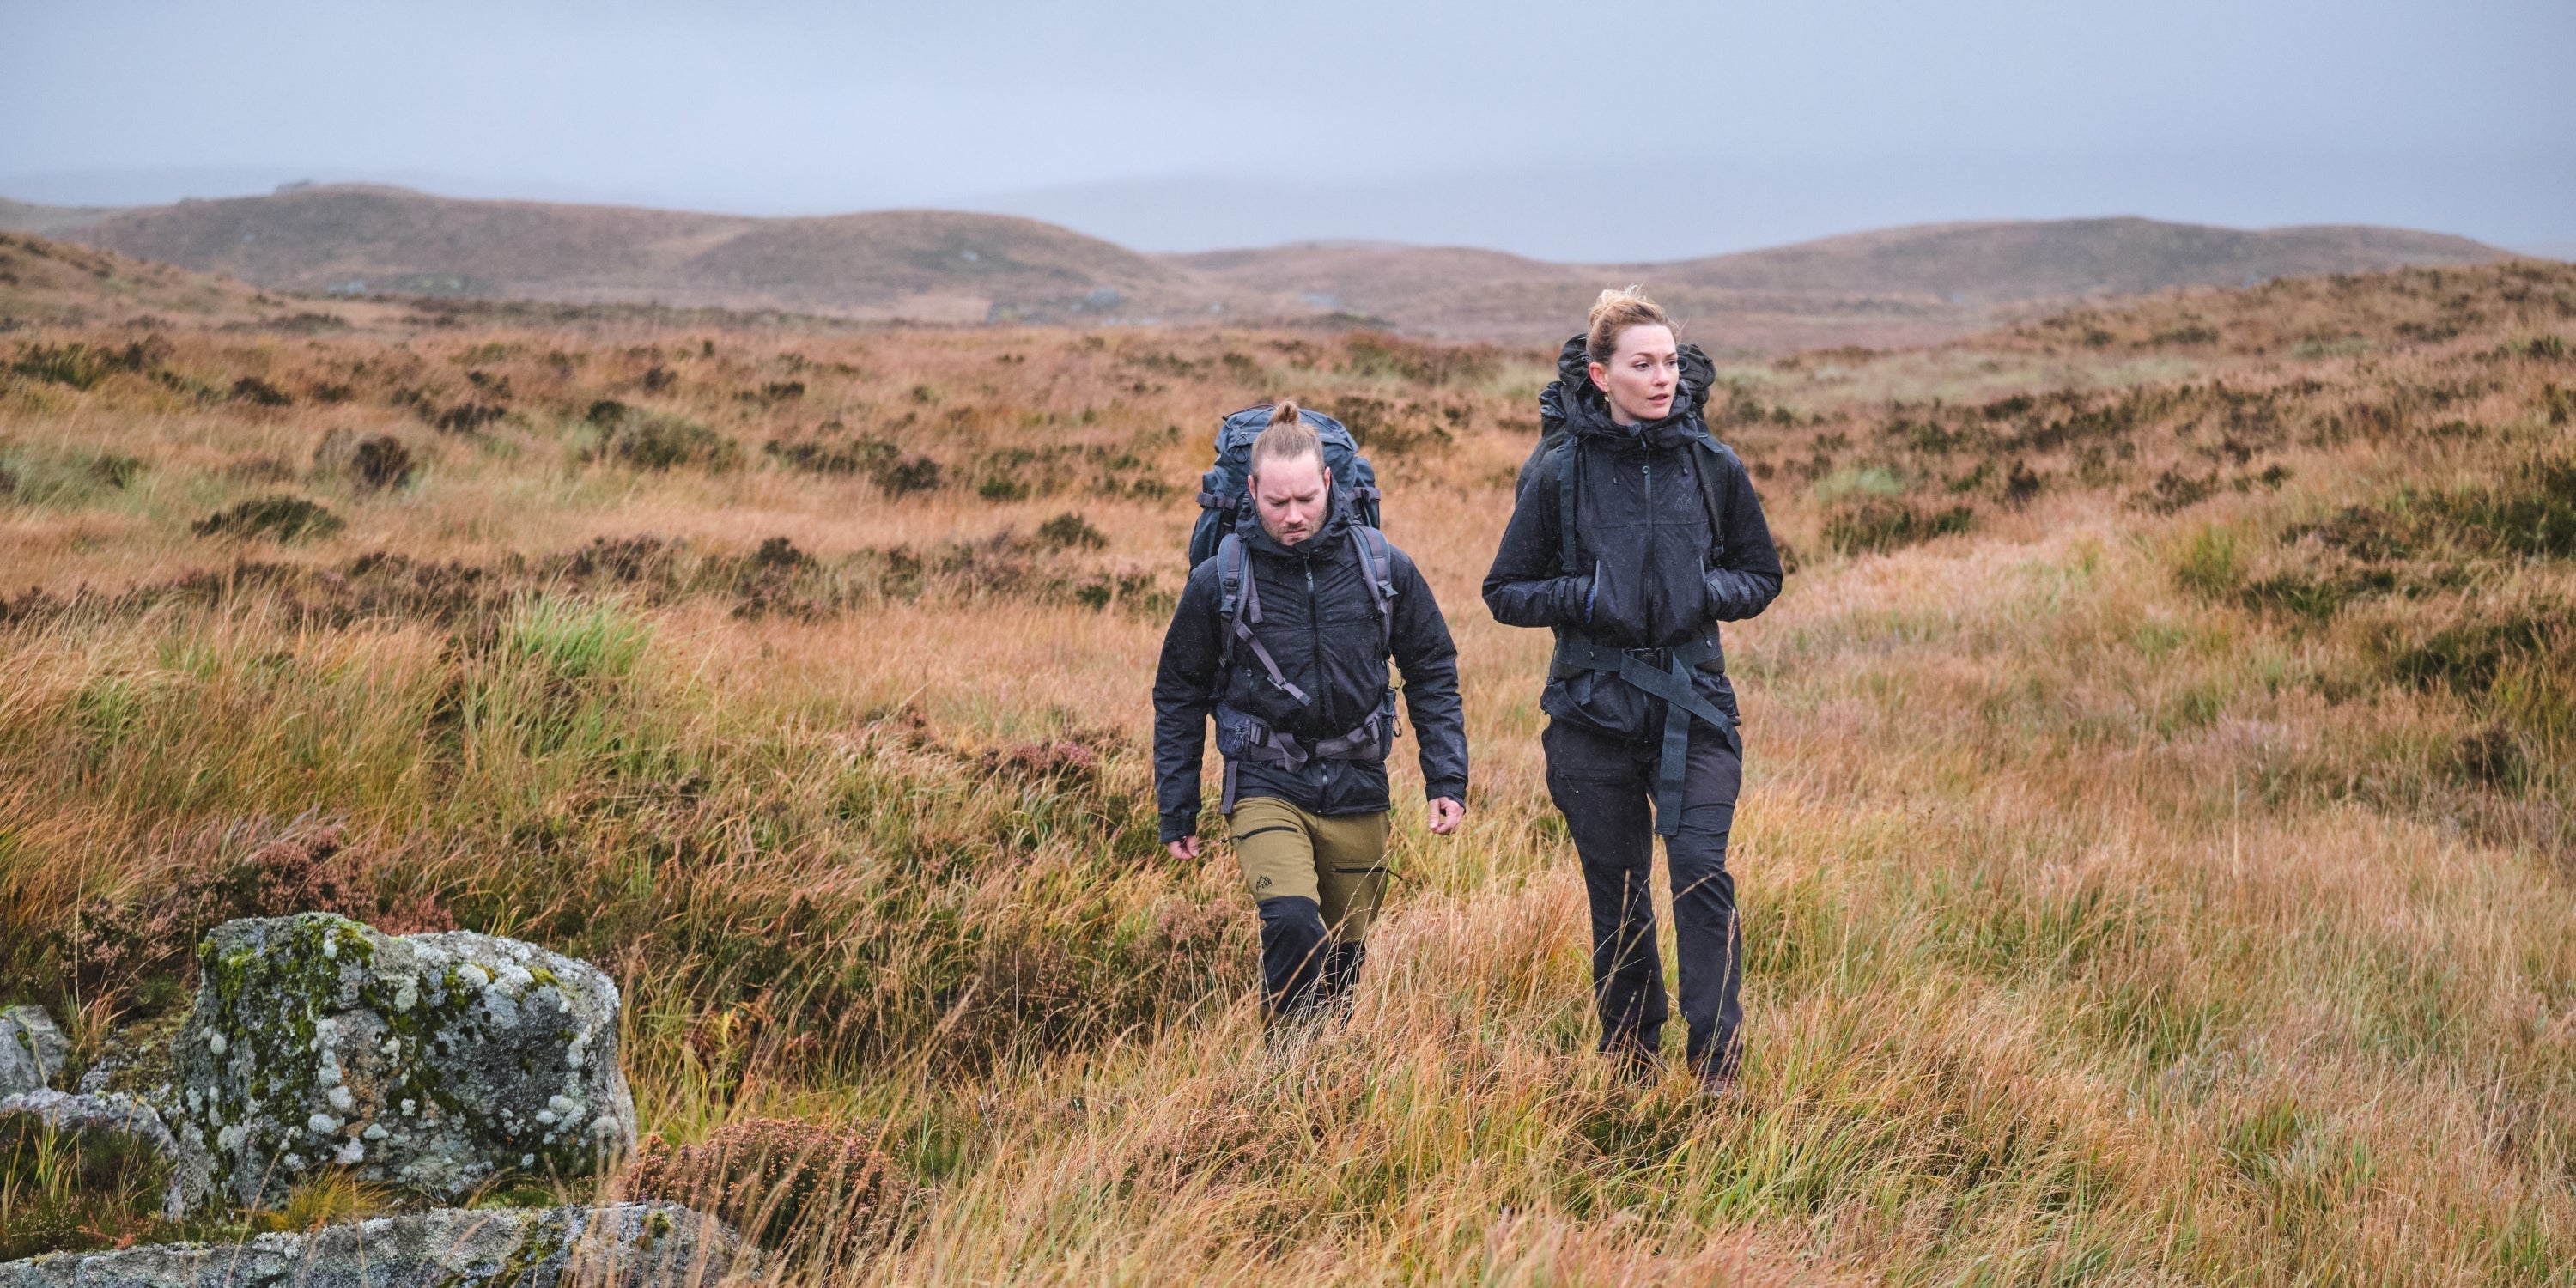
(1613, 314)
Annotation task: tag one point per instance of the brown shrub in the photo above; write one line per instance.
(143, 946)
(382, 462)
(816, 1187)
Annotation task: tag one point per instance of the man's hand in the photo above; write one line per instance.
(1186, 848)
(1446, 814)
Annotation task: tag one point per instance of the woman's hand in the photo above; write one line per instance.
(1446, 815)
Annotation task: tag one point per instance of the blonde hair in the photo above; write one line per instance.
(1613, 314)
(1289, 438)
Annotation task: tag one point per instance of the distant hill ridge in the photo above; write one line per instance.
(2064, 258)
(1893, 286)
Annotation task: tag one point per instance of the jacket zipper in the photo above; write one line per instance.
(1315, 630)
(1646, 592)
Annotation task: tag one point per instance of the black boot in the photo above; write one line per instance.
(1636, 1063)
(1342, 973)
(1293, 956)
(1717, 1072)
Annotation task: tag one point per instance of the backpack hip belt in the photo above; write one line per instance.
(1663, 673)
(1241, 735)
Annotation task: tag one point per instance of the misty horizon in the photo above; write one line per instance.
(1745, 206)
(1425, 122)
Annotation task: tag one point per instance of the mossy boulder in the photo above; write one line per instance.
(432, 1062)
(628, 1245)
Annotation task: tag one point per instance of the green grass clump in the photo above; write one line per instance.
(572, 641)
(2208, 565)
(87, 1188)
(79, 365)
(1879, 526)
(648, 440)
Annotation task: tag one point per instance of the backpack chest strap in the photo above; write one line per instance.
(1670, 681)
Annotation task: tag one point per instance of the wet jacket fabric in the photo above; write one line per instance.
(1321, 625)
(1652, 571)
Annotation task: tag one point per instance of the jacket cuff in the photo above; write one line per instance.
(1453, 788)
(1178, 826)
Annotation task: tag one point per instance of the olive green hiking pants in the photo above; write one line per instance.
(1318, 883)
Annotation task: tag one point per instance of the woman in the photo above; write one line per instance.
(1632, 537)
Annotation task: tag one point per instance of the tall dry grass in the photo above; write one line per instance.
(2158, 874)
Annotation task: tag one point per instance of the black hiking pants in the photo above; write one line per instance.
(1605, 786)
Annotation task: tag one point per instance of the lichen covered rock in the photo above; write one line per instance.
(432, 1062)
(630, 1245)
(31, 1050)
(116, 1111)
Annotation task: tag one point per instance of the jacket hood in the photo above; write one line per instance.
(1587, 412)
(1571, 398)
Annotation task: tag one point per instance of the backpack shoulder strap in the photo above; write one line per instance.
(1377, 566)
(1565, 474)
(1239, 604)
(1230, 570)
(1713, 456)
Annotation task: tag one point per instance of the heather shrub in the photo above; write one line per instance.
(280, 518)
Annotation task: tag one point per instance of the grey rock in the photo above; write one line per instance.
(432, 1062)
(135, 1060)
(66, 1111)
(119, 1112)
(629, 1245)
(127, 1114)
(31, 1049)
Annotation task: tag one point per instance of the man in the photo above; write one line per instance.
(1284, 636)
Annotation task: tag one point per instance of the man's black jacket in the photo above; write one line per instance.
(1652, 571)
(1321, 625)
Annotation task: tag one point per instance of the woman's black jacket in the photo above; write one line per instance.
(1654, 568)
(1321, 626)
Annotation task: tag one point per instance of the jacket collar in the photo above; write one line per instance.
(1331, 537)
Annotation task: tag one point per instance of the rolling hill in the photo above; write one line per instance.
(919, 265)
(1889, 287)
(46, 282)
(49, 221)
(2069, 258)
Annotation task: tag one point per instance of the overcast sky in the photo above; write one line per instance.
(1573, 131)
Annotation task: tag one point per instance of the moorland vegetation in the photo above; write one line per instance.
(2156, 843)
